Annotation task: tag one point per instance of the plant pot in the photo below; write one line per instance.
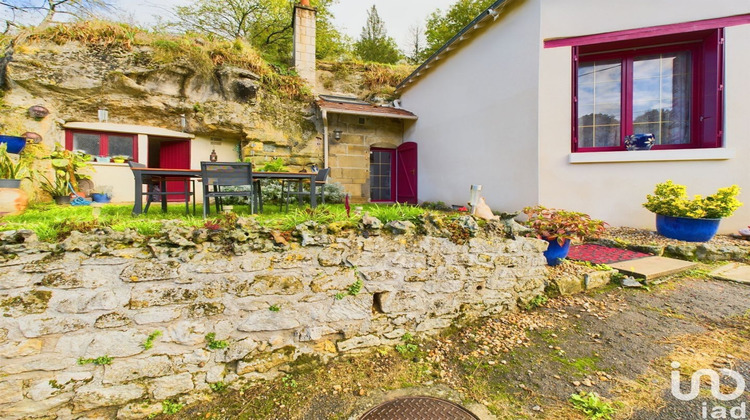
(555, 252)
(62, 200)
(118, 160)
(15, 143)
(13, 200)
(100, 198)
(686, 228)
(10, 183)
(102, 159)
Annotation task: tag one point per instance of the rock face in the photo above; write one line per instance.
(221, 316)
(71, 81)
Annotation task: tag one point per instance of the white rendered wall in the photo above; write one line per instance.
(478, 115)
(615, 191)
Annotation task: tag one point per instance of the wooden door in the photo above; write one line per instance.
(406, 173)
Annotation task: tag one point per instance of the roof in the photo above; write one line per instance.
(348, 105)
(492, 11)
(128, 128)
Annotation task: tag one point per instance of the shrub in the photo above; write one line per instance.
(670, 199)
(551, 224)
(592, 405)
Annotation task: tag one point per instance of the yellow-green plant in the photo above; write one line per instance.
(670, 199)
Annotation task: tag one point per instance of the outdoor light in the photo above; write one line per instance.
(103, 115)
(183, 122)
(337, 134)
(476, 191)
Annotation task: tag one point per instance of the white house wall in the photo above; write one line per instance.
(615, 191)
(478, 115)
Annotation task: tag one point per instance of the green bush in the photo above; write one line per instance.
(670, 199)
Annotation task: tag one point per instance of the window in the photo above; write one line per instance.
(669, 86)
(102, 144)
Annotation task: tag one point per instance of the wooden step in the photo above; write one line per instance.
(650, 268)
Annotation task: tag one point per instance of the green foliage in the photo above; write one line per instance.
(288, 381)
(276, 165)
(274, 308)
(551, 224)
(218, 387)
(409, 347)
(149, 343)
(670, 199)
(592, 405)
(21, 169)
(537, 302)
(214, 344)
(101, 360)
(374, 44)
(339, 296)
(169, 407)
(68, 168)
(354, 288)
(442, 26)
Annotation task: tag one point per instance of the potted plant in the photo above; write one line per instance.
(67, 169)
(119, 159)
(13, 200)
(102, 194)
(697, 220)
(559, 227)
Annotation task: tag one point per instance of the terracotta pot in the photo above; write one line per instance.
(13, 201)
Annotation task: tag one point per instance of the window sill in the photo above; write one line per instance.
(720, 153)
(108, 164)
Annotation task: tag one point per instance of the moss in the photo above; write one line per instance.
(31, 302)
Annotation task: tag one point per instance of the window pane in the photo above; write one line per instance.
(661, 96)
(121, 146)
(599, 103)
(380, 175)
(88, 143)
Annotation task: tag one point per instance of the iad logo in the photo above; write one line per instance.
(719, 411)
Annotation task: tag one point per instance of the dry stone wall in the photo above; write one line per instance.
(63, 312)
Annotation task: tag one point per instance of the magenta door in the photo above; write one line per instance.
(406, 173)
(175, 155)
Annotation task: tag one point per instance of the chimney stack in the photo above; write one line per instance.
(304, 41)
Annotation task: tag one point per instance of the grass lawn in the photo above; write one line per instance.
(51, 222)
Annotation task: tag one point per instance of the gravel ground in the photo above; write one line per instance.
(648, 237)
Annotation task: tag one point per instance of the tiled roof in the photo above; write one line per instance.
(360, 108)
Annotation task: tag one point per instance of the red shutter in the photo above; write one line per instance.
(406, 173)
(710, 119)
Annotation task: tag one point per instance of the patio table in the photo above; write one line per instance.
(140, 173)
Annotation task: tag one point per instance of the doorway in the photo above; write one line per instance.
(170, 153)
(393, 174)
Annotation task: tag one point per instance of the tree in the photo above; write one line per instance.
(440, 28)
(415, 54)
(374, 44)
(266, 24)
(49, 8)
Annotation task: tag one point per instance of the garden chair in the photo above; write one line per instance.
(156, 188)
(287, 192)
(217, 175)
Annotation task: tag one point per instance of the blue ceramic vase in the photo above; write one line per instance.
(555, 252)
(686, 228)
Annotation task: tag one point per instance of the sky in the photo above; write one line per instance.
(349, 15)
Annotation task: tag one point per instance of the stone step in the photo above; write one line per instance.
(650, 268)
(736, 272)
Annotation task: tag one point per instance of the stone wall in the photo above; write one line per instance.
(101, 297)
(350, 156)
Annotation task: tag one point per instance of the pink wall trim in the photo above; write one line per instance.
(627, 34)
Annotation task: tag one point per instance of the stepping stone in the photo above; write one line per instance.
(650, 268)
(733, 272)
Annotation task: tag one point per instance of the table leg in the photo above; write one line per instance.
(164, 196)
(138, 202)
(299, 194)
(313, 197)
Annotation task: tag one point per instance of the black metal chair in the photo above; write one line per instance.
(286, 188)
(217, 175)
(156, 188)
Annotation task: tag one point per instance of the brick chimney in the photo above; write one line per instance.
(304, 41)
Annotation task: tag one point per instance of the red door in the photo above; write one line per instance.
(175, 155)
(406, 173)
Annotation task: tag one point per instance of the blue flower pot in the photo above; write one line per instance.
(687, 229)
(15, 143)
(100, 198)
(555, 252)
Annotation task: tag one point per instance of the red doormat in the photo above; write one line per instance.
(598, 254)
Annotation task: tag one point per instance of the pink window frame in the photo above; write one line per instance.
(626, 49)
(103, 141)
